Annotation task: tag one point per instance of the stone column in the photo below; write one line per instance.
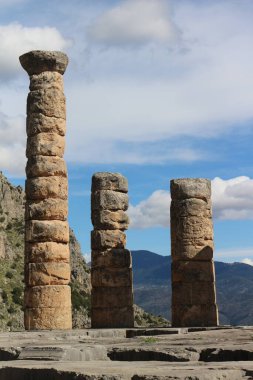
(47, 259)
(193, 276)
(111, 264)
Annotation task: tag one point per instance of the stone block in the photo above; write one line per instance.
(112, 317)
(106, 297)
(39, 123)
(113, 258)
(46, 187)
(183, 188)
(48, 273)
(110, 220)
(46, 166)
(47, 209)
(46, 231)
(54, 318)
(109, 200)
(200, 250)
(48, 296)
(191, 207)
(192, 271)
(195, 315)
(38, 61)
(109, 181)
(192, 227)
(45, 144)
(50, 80)
(104, 239)
(111, 277)
(47, 252)
(49, 102)
(193, 293)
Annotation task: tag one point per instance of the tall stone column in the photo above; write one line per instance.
(111, 264)
(193, 276)
(47, 259)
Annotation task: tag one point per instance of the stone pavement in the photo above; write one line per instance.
(166, 353)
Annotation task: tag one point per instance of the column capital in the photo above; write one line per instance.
(37, 61)
(183, 188)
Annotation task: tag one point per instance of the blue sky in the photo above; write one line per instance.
(156, 89)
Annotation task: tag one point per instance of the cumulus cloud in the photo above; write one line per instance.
(12, 145)
(16, 39)
(248, 261)
(232, 199)
(134, 23)
(152, 212)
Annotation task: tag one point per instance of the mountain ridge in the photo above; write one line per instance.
(152, 286)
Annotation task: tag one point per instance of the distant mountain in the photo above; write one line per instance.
(152, 287)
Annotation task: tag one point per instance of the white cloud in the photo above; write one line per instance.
(12, 145)
(99, 149)
(16, 39)
(232, 199)
(87, 257)
(235, 255)
(248, 261)
(200, 89)
(134, 23)
(152, 212)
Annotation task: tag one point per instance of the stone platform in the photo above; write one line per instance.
(166, 353)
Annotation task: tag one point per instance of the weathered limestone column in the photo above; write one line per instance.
(47, 267)
(111, 264)
(193, 276)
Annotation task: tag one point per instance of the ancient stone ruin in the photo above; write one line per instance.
(193, 278)
(111, 273)
(47, 269)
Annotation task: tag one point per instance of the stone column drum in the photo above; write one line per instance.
(193, 276)
(111, 264)
(47, 259)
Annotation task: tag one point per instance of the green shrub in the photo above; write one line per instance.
(11, 309)
(17, 296)
(4, 296)
(80, 300)
(9, 226)
(9, 274)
